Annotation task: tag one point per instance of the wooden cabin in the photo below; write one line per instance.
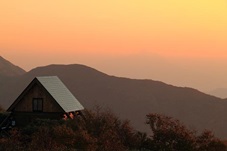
(44, 98)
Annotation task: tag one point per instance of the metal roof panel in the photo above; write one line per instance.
(60, 93)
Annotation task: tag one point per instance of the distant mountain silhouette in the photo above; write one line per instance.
(8, 69)
(220, 92)
(129, 98)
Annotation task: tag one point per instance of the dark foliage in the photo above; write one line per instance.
(103, 131)
(170, 135)
(1, 109)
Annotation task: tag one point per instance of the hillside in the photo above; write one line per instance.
(8, 69)
(129, 98)
(220, 92)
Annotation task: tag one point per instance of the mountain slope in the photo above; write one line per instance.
(8, 69)
(220, 92)
(128, 98)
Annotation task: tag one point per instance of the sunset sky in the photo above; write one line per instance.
(180, 42)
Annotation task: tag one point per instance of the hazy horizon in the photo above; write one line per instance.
(182, 43)
(160, 69)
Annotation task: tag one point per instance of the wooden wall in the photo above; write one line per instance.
(24, 118)
(49, 104)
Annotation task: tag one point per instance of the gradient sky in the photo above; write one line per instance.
(181, 42)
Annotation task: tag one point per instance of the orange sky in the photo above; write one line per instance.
(97, 32)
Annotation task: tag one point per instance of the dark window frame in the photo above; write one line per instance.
(37, 104)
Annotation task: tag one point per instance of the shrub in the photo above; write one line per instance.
(171, 135)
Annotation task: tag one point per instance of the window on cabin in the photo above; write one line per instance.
(37, 104)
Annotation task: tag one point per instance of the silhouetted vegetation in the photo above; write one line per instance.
(170, 135)
(1, 109)
(3, 114)
(103, 131)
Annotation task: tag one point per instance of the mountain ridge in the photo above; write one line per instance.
(219, 92)
(128, 98)
(9, 69)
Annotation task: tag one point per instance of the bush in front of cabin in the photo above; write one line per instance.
(101, 130)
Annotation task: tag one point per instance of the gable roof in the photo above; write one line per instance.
(58, 91)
